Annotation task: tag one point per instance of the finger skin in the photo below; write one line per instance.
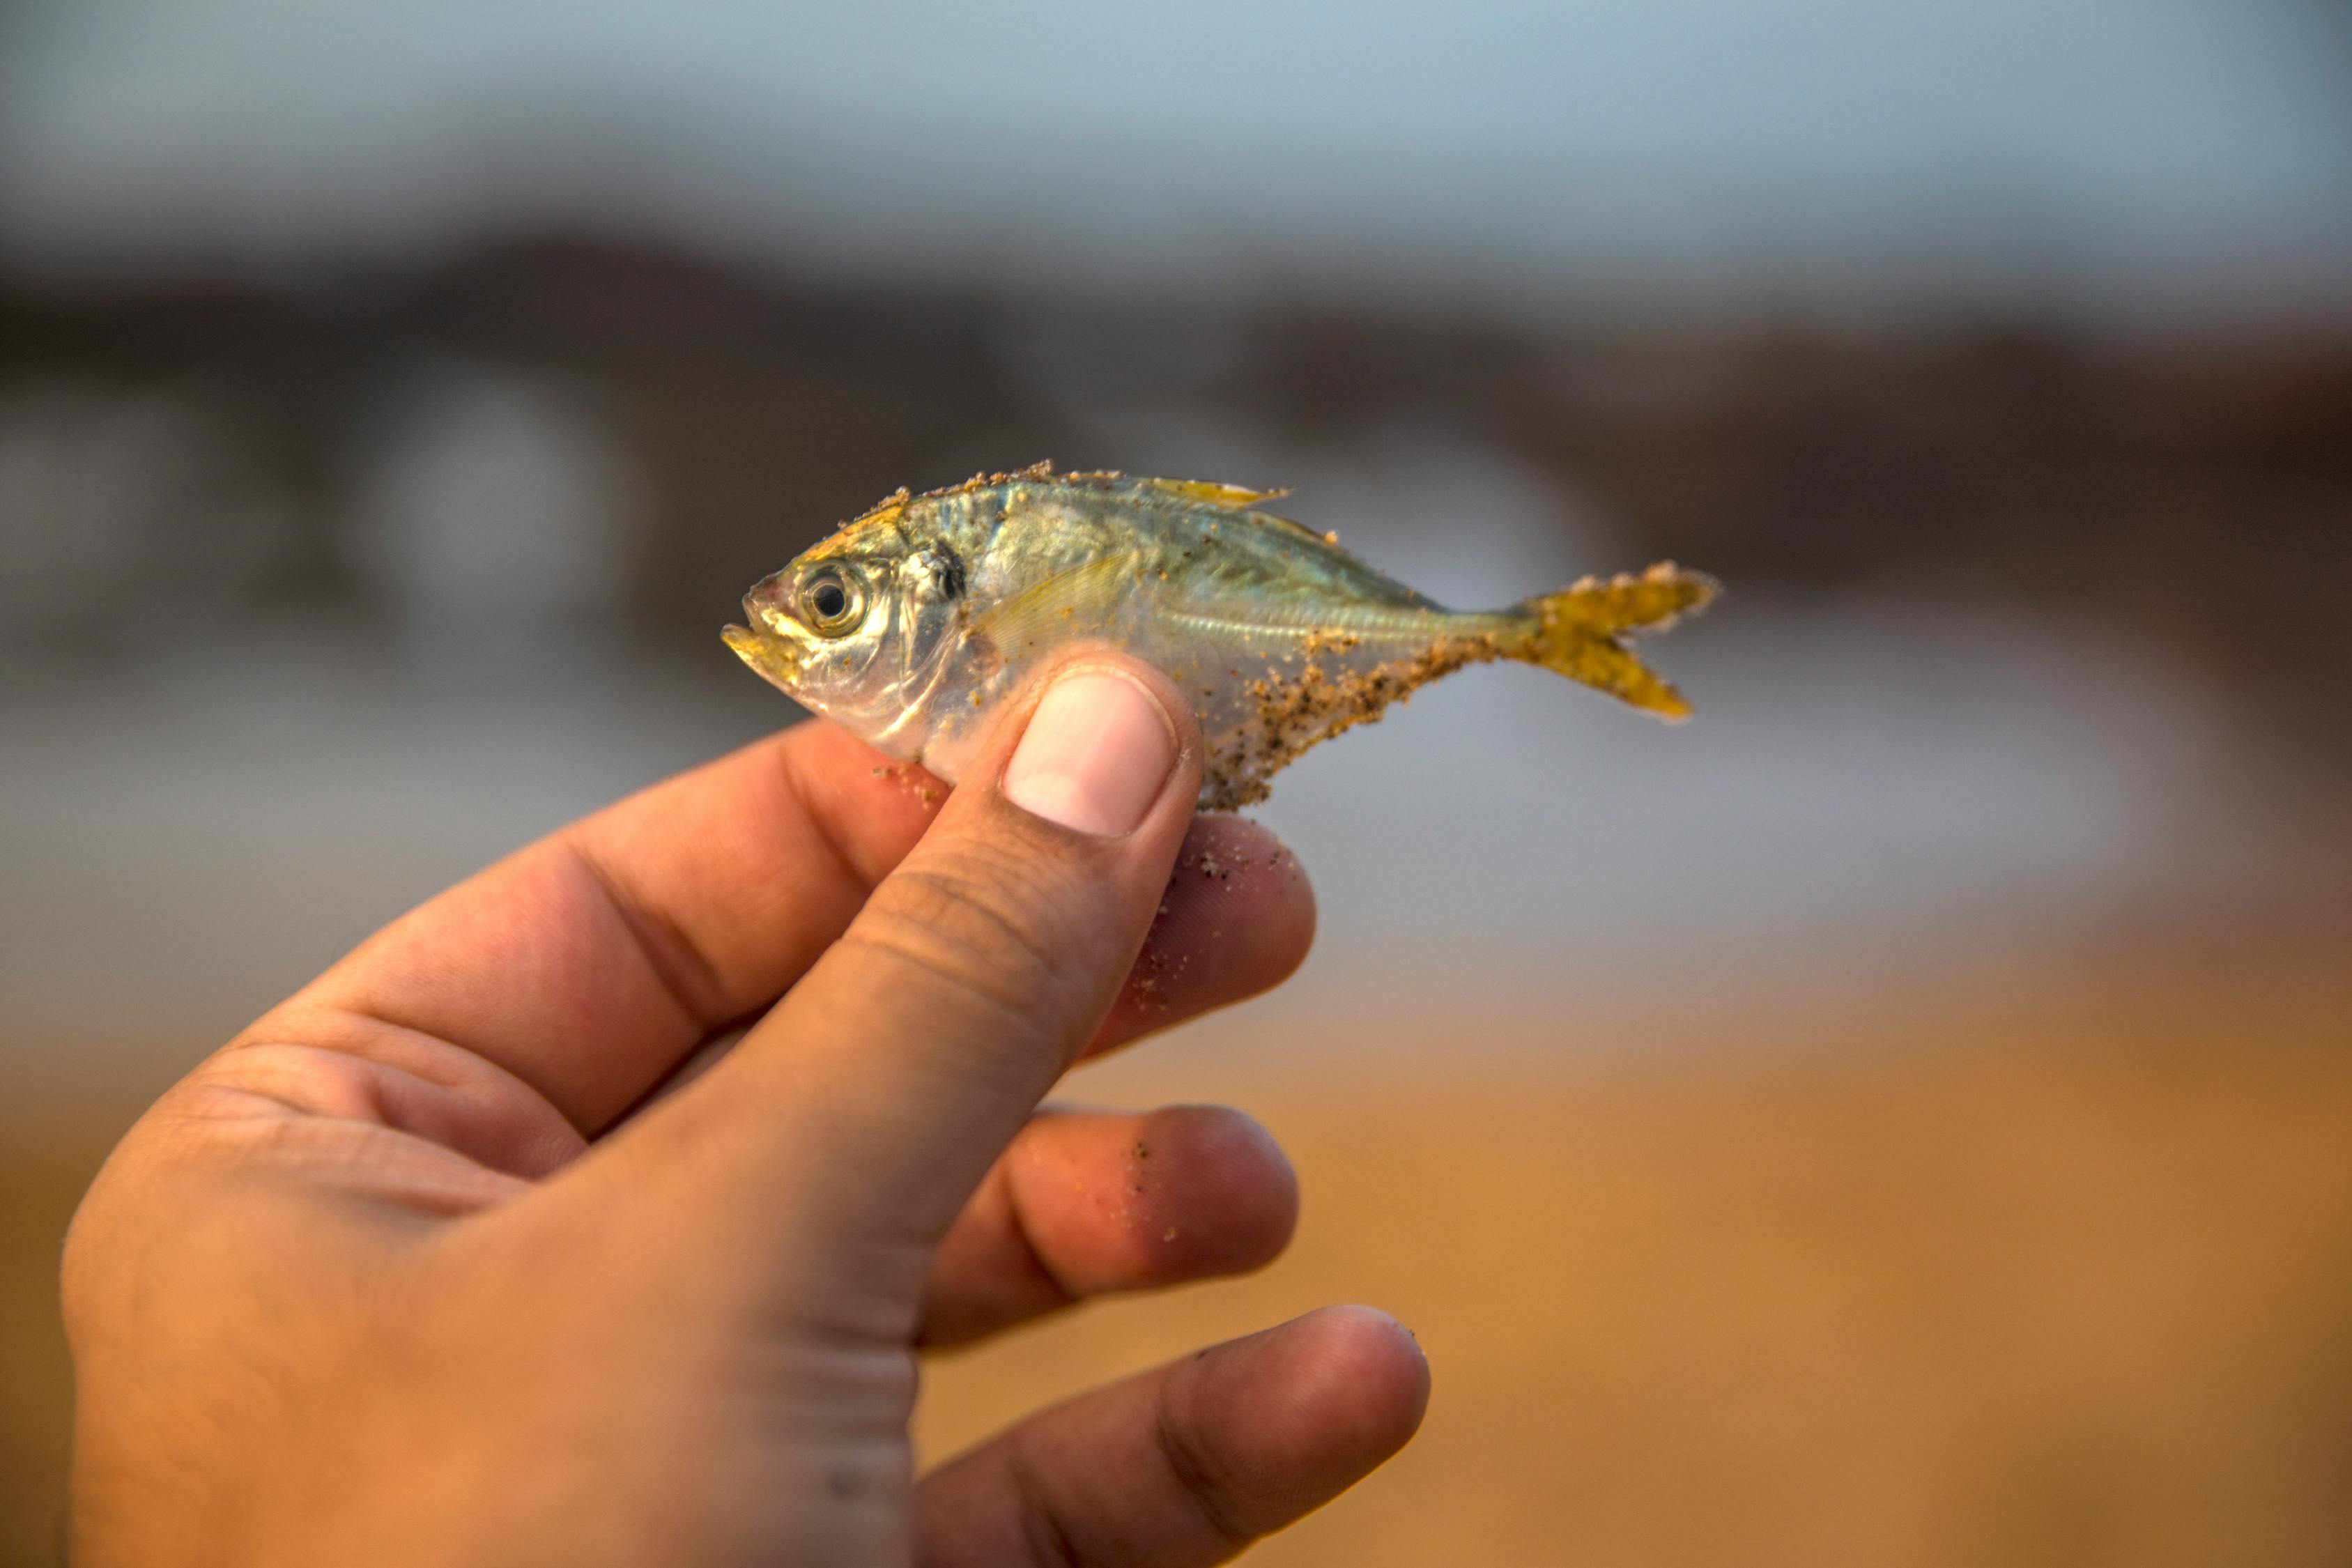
(1084, 1203)
(918, 1046)
(1189, 1464)
(361, 1290)
(1236, 919)
(589, 966)
(590, 963)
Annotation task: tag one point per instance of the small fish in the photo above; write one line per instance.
(912, 623)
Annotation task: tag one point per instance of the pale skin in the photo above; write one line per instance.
(445, 1260)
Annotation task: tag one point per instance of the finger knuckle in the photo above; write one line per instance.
(1206, 1484)
(1045, 1534)
(977, 925)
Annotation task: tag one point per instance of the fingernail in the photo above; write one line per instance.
(1095, 755)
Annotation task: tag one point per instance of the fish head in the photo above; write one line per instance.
(857, 628)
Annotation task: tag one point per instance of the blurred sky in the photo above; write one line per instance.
(2126, 157)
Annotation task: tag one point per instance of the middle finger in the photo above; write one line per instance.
(1086, 1202)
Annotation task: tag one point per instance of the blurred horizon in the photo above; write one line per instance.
(355, 551)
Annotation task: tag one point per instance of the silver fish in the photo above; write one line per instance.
(915, 622)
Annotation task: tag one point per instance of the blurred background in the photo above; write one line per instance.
(1903, 1117)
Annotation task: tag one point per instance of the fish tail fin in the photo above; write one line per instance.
(1583, 632)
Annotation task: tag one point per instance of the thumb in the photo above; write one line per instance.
(876, 1093)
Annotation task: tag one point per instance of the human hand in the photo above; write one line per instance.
(450, 1260)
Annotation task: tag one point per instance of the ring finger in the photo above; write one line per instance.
(1088, 1202)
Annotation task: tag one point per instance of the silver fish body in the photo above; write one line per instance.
(914, 624)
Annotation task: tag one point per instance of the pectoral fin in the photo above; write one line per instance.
(1051, 608)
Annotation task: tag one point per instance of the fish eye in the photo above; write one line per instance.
(831, 601)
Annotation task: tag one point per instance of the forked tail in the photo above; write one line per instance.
(1583, 632)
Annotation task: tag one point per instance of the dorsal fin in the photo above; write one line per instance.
(1232, 497)
(1207, 492)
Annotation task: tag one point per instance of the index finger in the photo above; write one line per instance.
(589, 963)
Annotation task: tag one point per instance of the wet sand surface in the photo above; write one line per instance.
(2073, 1289)
(2059, 1273)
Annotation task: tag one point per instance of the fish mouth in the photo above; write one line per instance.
(777, 660)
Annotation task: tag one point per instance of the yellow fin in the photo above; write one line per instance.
(1581, 632)
(1049, 607)
(1205, 492)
